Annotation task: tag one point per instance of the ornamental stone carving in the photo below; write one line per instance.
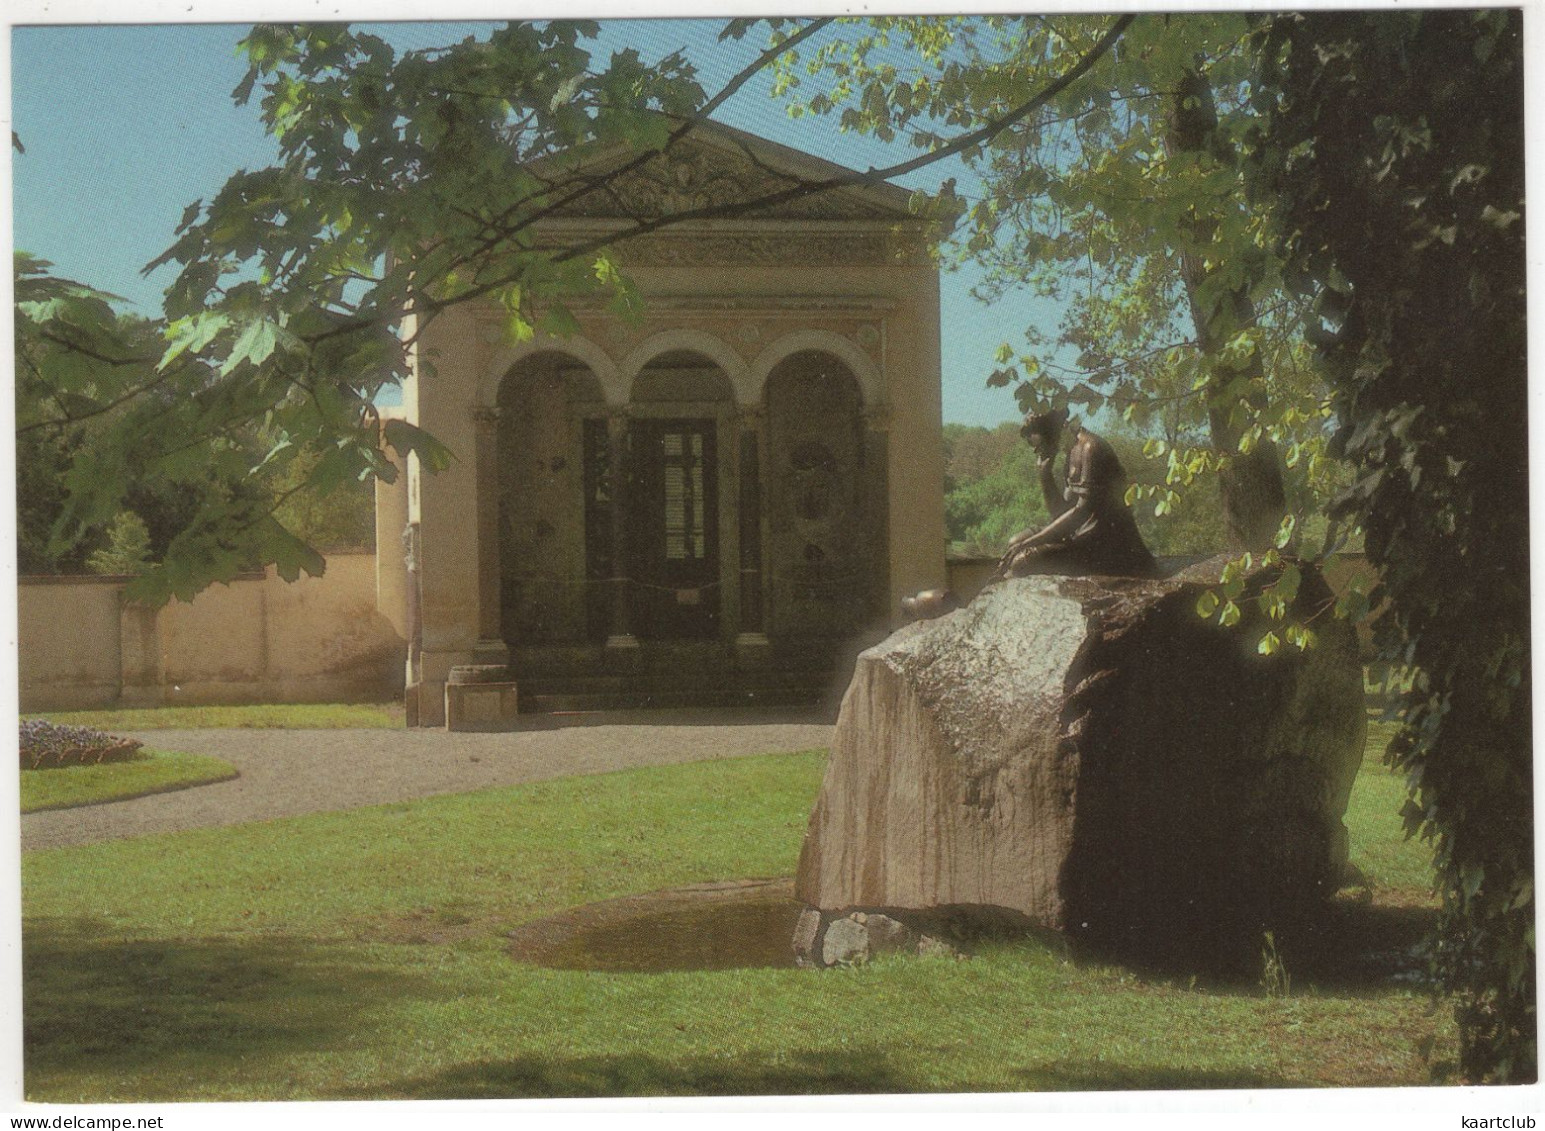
(694, 175)
(680, 249)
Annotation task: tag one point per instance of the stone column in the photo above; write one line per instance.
(621, 635)
(491, 647)
(877, 503)
(414, 667)
(752, 449)
(391, 570)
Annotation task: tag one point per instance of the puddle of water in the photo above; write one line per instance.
(699, 934)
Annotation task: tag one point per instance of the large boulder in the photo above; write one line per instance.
(1089, 755)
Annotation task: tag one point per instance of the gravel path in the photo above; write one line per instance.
(285, 773)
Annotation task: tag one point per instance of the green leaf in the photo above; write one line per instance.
(736, 29)
(559, 321)
(566, 91)
(192, 334)
(517, 329)
(1268, 644)
(405, 438)
(255, 344)
(243, 89)
(1288, 584)
(1229, 617)
(1207, 604)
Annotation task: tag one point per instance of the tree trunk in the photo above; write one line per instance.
(1251, 488)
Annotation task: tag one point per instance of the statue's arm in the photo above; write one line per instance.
(1050, 491)
(1061, 528)
(1069, 511)
(1056, 504)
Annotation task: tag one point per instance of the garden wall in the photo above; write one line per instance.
(258, 639)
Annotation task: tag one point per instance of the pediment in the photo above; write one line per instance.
(728, 167)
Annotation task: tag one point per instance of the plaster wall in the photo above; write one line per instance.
(258, 639)
(68, 638)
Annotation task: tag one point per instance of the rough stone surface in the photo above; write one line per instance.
(849, 938)
(807, 932)
(1090, 754)
(846, 940)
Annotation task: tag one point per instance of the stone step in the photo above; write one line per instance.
(625, 700)
(672, 683)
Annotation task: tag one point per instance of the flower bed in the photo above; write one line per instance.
(45, 746)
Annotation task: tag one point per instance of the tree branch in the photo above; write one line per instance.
(871, 176)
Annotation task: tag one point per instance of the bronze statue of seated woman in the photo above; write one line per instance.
(1092, 530)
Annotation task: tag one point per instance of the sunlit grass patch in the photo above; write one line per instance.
(147, 772)
(294, 716)
(364, 954)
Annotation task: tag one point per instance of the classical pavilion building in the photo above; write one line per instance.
(713, 505)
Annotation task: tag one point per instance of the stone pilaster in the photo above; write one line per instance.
(490, 647)
(621, 634)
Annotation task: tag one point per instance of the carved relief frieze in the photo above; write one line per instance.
(694, 176)
(756, 249)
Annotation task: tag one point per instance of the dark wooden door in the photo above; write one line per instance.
(675, 543)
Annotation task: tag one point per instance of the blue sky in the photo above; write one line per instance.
(124, 126)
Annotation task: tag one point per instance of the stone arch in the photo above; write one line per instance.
(871, 382)
(550, 406)
(682, 376)
(613, 388)
(692, 341)
(823, 498)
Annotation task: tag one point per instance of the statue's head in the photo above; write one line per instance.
(1043, 429)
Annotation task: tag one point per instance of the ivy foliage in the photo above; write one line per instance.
(1392, 154)
(1344, 224)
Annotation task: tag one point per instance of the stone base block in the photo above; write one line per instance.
(477, 701)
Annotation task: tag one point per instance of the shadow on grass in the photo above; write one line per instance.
(808, 1072)
(1360, 948)
(1104, 1077)
(93, 1002)
(1347, 947)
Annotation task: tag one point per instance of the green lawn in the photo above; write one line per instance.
(271, 961)
(149, 771)
(295, 716)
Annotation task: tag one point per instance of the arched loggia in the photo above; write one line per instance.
(824, 492)
(552, 566)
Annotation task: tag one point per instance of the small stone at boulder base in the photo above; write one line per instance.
(846, 941)
(886, 933)
(1093, 755)
(806, 933)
